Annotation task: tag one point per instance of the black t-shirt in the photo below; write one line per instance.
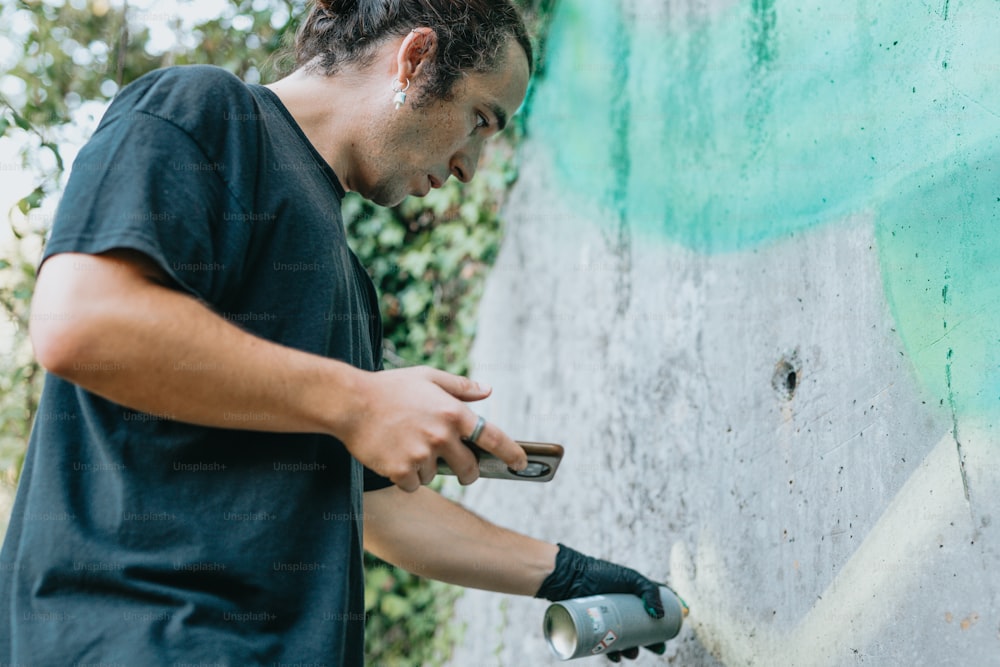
(138, 540)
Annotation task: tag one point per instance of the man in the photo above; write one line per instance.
(193, 486)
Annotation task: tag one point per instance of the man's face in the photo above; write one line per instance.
(411, 150)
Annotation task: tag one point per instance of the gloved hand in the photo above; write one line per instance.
(577, 575)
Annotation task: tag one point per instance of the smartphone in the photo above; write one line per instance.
(543, 460)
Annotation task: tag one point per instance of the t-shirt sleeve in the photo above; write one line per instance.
(143, 183)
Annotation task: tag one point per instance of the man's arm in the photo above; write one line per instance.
(431, 536)
(112, 324)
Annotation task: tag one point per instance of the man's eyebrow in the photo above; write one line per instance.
(500, 114)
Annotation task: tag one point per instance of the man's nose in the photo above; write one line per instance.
(462, 169)
(464, 164)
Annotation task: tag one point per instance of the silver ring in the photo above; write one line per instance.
(477, 431)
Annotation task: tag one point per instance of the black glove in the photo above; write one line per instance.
(577, 575)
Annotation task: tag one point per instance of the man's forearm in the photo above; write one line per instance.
(119, 331)
(151, 348)
(433, 537)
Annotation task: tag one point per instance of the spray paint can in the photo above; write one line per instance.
(597, 624)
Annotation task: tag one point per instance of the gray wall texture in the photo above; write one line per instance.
(750, 283)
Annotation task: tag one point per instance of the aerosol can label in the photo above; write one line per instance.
(605, 643)
(597, 621)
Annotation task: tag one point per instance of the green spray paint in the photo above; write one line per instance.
(939, 240)
(737, 124)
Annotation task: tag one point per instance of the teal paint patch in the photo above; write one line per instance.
(939, 240)
(938, 216)
(749, 122)
(757, 122)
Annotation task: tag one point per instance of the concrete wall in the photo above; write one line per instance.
(715, 195)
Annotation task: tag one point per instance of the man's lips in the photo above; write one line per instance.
(431, 183)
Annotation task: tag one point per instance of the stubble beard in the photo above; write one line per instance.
(388, 190)
(385, 194)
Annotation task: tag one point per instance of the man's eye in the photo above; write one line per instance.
(482, 121)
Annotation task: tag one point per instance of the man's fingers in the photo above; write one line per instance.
(651, 599)
(409, 482)
(462, 460)
(459, 424)
(633, 653)
(501, 445)
(463, 463)
(427, 472)
(468, 472)
(460, 387)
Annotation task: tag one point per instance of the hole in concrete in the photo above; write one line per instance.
(786, 378)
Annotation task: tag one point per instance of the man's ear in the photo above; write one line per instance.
(416, 51)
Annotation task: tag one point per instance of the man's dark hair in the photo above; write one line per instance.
(471, 35)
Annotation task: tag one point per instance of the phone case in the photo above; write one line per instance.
(543, 461)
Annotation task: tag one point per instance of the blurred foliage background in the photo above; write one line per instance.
(62, 61)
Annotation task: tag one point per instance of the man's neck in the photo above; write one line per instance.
(326, 108)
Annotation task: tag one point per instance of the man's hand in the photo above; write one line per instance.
(413, 416)
(577, 575)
